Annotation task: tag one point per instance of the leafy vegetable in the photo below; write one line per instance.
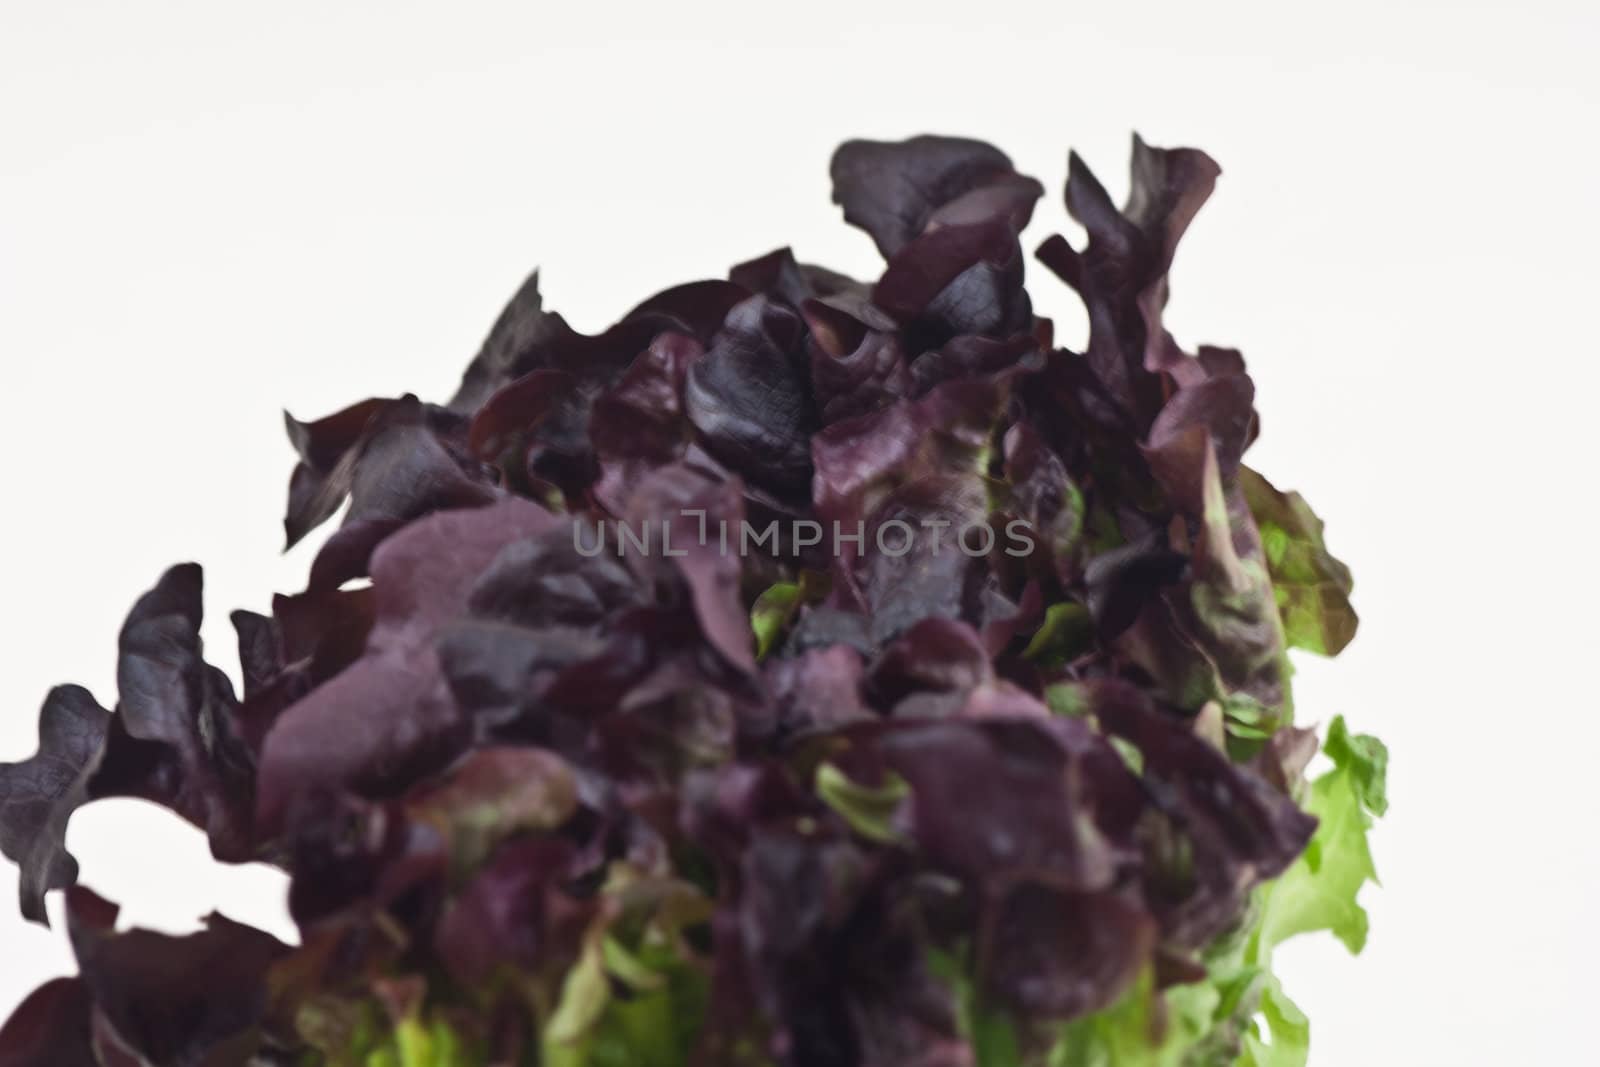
(802, 672)
(1239, 1012)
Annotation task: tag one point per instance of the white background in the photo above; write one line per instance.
(209, 212)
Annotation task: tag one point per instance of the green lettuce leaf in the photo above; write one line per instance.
(1290, 1029)
(1320, 891)
(870, 810)
(1312, 588)
(771, 614)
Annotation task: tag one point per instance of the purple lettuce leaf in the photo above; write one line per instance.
(897, 191)
(750, 397)
(1122, 273)
(51, 1028)
(189, 1001)
(1218, 828)
(389, 715)
(39, 794)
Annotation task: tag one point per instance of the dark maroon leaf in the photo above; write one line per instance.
(855, 370)
(641, 423)
(896, 191)
(39, 795)
(778, 275)
(517, 409)
(1053, 954)
(750, 396)
(817, 690)
(1240, 831)
(522, 330)
(513, 914)
(51, 1028)
(1122, 274)
(186, 1001)
(176, 740)
(390, 714)
(954, 281)
(1043, 801)
(698, 309)
(327, 449)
